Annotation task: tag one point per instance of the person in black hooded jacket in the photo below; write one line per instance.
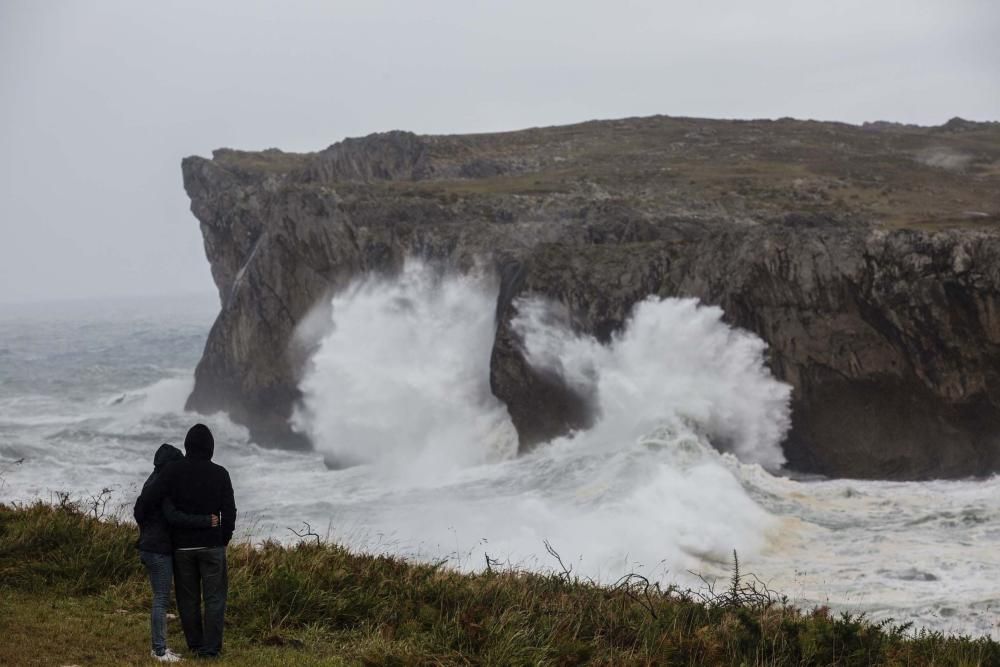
(156, 550)
(196, 485)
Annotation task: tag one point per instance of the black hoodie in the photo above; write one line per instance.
(196, 486)
(155, 522)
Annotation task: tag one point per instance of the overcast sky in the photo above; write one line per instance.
(99, 101)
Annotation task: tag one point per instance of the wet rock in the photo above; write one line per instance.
(912, 574)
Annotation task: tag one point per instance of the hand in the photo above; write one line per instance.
(215, 520)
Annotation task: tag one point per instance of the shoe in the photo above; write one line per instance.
(168, 656)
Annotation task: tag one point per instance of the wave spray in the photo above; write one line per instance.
(400, 386)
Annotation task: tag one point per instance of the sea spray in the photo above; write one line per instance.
(402, 378)
(400, 384)
(675, 365)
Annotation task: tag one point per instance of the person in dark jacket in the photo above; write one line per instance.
(196, 485)
(156, 550)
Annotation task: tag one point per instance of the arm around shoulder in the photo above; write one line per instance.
(175, 517)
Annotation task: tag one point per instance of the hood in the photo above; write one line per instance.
(165, 454)
(199, 443)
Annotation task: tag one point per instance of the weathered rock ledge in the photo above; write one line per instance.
(867, 257)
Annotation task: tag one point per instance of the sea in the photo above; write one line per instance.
(415, 457)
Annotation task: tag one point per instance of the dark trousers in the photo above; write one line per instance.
(201, 574)
(160, 568)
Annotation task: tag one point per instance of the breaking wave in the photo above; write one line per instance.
(402, 378)
(400, 384)
(676, 366)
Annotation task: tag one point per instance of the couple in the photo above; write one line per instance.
(186, 516)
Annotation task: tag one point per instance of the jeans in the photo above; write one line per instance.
(201, 574)
(160, 568)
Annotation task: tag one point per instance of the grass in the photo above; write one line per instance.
(264, 162)
(72, 591)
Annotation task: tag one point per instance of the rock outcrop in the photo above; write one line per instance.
(872, 271)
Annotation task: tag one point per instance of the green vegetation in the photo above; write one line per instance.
(271, 161)
(72, 591)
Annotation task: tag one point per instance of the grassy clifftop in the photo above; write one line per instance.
(883, 173)
(72, 591)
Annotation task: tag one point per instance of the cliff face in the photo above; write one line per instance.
(866, 257)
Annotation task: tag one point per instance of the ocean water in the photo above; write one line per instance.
(399, 388)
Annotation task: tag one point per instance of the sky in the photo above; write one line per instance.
(100, 101)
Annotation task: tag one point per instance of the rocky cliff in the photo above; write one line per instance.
(867, 257)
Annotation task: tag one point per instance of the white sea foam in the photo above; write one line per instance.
(402, 378)
(400, 384)
(675, 366)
